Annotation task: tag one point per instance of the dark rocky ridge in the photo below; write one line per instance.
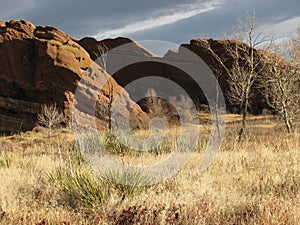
(162, 68)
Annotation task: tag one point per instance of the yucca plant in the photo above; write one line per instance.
(128, 181)
(112, 144)
(80, 186)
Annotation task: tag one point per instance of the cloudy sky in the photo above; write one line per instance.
(176, 21)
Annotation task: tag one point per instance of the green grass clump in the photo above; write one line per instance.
(128, 181)
(113, 145)
(5, 160)
(81, 187)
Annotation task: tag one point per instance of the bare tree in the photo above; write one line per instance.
(184, 105)
(242, 64)
(50, 117)
(282, 86)
(101, 54)
(216, 102)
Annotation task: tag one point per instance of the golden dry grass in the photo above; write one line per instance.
(256, 181)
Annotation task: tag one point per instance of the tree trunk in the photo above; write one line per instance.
(217, 109)
(242, 132)
(287, 121)
(50, 137)
(111, 98)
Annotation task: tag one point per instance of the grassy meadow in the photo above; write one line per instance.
(255, 181)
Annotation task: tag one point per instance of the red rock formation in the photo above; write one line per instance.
(44, 65)
(146, 68)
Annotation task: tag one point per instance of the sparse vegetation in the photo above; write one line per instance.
(127, 182)
(242, 63)
(102, 53)
(80, 186)
(50, 117)
(281, 85)
(255, 181)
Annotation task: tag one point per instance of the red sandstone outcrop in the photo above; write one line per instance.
(44, 65)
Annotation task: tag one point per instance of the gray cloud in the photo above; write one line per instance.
(221, 20)
(79, 18)
(184, 12)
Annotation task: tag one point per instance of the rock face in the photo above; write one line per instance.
(150, 67)
(41, 65)
(199, 46)
(130, 46)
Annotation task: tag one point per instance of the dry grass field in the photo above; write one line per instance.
(255, 181)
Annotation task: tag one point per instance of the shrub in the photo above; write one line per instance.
(5, 161)
(128, 182)
(81, 187)
(113, 145)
